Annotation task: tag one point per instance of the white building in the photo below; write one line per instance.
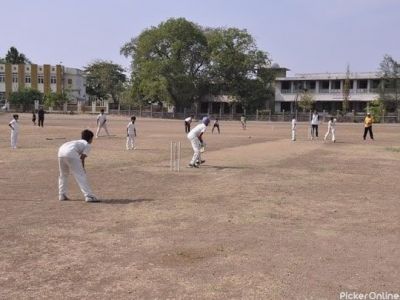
(327, 90)
(44, 78)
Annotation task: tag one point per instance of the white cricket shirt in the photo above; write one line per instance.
(314, 119)
(189, 120)
(293, 124)
(196, 131)
(101, 118)
(74, 149)
(14, 123)
(131, 128)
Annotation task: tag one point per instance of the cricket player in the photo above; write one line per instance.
(368, 126)
(71, 158)
(188, 121)
(314, 124)
(101, 123)
(14, 125)
(131, 134)
(294, 124)
(195, 136)
(331, 129)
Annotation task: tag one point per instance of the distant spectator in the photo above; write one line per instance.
(368, 126)
(40, 117)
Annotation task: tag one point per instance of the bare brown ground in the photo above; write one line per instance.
(264, 218)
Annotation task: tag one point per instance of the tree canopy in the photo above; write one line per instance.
(389, 91)
(13, 56)
(104, 79)
(25, 98)
(179, 61)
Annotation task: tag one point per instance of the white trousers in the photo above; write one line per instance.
(67, 164)
(100, 127)
(130, 141)
(293, 134)
(196, 145)
(332, 131)
(14, 138)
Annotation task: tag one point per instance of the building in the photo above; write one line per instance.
(44, 78)
(327, 90)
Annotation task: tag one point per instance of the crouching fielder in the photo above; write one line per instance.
(331, 129)
(195, 136)
(71, 157)
(131, 134)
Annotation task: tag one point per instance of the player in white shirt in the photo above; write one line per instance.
(314, 124)
(101, 123)
(195, 136)
(294, 125)
(188, 121)
(14, 125)
(71, 158)
(331, 129)
(131, 134)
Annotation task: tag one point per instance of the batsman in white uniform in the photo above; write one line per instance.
(131, 134)
(71, 158)
(14, 125)
(101, 123)
(294, 124)
(331, 129)
(195, 137)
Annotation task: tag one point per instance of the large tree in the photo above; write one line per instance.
(237, 66)
(25, 98)
(168, 62)
(13, 56)
(105, 79)
(390, 86)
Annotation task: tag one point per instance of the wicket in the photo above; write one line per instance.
(175, 156)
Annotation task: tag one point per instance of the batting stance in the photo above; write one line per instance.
(101, 123)
(71, 157)
(195, 136)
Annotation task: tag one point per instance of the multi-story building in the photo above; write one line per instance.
(327, 90)
(44, 78)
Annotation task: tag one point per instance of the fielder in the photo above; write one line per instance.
(331, 129)
(101, 123)
(314, 124)
(188, 121)
(131, 134)
(195, 137)
(71, 157)
(294, 124)
(14, 125)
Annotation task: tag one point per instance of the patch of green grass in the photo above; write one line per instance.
(392, 149)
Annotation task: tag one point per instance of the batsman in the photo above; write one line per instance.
(195, 136)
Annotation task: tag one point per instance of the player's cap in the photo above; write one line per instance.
(206, 121)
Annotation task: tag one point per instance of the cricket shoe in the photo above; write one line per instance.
(199, 162)
(193, 165)
(63, 197)
(91, 199)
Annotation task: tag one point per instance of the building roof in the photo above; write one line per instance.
(331, 76)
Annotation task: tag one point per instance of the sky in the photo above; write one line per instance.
(305, 36)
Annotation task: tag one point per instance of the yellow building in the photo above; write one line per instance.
(44, 78)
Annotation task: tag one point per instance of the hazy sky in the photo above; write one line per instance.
(302, 35)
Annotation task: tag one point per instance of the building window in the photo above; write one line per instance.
(375, 84)
(15, 77)
(285, 86)
(53, 80)
(335, 85)
(53, 69)
(27, 78)
(362, 84)
(2, 77)
(310, 85)
(324, 86)
(69, 81)
(40, 79)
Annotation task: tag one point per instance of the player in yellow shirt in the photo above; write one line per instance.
(368, 126)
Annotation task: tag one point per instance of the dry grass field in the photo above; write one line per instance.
(263, 218)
